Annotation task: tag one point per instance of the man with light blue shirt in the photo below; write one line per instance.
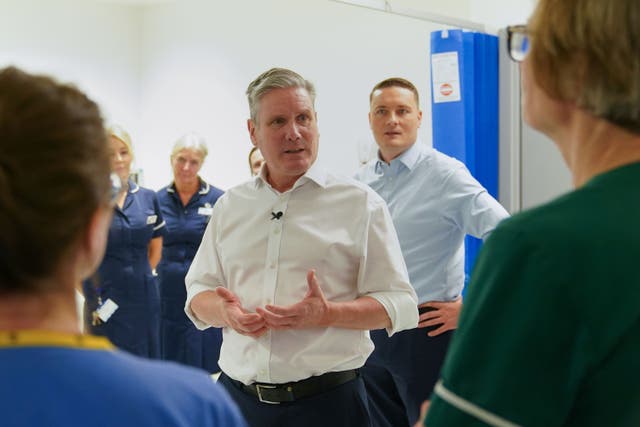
(434, 202)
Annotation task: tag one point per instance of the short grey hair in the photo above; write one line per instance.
(276, 78)
(190, 141)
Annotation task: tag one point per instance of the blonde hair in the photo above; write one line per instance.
(588, 52)
(119, 132)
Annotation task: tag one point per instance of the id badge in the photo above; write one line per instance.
(205, 211)
(106, 310)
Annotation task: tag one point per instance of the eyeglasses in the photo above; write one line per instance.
(518, 42)
(116, 186)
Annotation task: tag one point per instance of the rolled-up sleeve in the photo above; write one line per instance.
(205, 273)
(383, 273)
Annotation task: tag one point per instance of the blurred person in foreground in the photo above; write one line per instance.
(297, 265)
(186, 205)
(55, 209)
(125, 282)
(549, 335)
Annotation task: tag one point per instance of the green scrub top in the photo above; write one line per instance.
(550, 330)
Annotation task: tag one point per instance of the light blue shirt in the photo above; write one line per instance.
(434, 202)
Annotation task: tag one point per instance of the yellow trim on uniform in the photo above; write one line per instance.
(42, 338)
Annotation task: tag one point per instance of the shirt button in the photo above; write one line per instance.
(272, 265)
(276, 231)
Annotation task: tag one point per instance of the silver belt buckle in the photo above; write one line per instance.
(260, 398)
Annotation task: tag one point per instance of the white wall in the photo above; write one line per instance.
(455, 8)
(496, 14)
(163, 68)
(201, 55)
(94, 45)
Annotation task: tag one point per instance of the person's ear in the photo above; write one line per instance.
(252, 132)
(94, 241)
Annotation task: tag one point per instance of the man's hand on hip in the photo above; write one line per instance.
(445, 315)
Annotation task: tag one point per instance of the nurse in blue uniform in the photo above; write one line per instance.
(186, 206)
(124, 290)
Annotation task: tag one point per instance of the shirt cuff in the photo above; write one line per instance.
(402, 309)
(193, 290)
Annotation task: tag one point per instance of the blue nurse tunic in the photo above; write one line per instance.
(181, 341)
(125, 277)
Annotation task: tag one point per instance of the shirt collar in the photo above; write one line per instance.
(409, 158)
(204, 187)
(315, 173)
(133, 187)
(261, 178)
(45, 338)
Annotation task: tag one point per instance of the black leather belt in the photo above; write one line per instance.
(292, 391)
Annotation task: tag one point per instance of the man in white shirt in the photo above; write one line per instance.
(434, 202)
(296, 266)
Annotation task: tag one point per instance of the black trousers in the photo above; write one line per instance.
(343, 406)
(400, 374)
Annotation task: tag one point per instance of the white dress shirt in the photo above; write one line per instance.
(434, 202)
(332, 224)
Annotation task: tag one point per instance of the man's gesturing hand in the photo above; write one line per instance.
(237, 318)
(312, 311)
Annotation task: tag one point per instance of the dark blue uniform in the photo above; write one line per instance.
(181, 340)
(125, 277)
